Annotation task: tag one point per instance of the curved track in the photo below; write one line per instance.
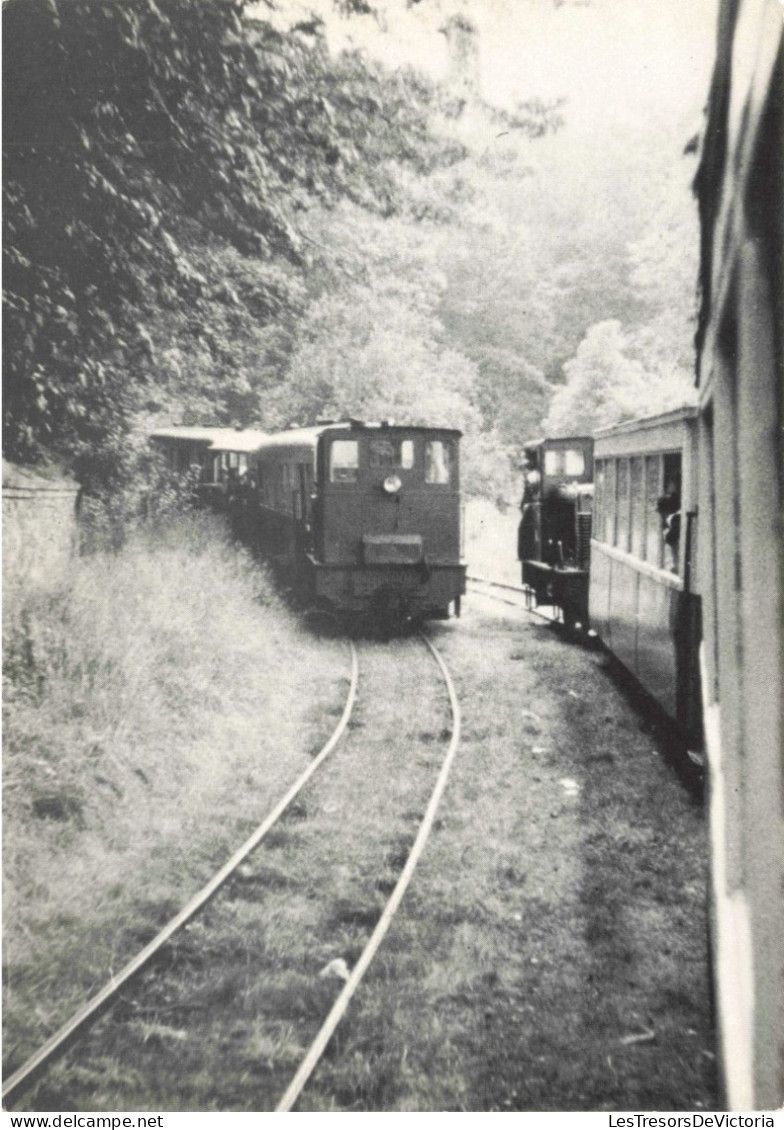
(319, 1045)
(62, 1038)
(525, 604)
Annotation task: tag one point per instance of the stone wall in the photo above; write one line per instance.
(39, 526)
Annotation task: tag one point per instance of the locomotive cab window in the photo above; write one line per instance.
(343, 461)
(438, 462)
(391, 453)
(574, 461)
(564, 461)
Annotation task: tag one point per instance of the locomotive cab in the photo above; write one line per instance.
(555, 526)
(387, 520)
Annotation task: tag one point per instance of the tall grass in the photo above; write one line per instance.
(156, 699)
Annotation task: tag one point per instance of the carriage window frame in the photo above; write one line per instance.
(610, 506)
(622, 499)
(347, 469)
(600, 514)
(637, 507)
(439, 469)
(654, 543)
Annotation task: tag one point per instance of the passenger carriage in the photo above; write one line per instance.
(216, 457)
(644, 596)
(741, 558)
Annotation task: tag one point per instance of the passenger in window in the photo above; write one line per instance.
(672, 539)
(669, 508)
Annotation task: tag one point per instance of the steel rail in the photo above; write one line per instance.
(58, 1042)
(495, 584)
(327, 1029)
(511, 603)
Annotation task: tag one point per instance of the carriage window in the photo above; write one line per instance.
(438, 461)
(638, 507)
(669, 508)
(392, 453)
(609, 501)
(343, 461)
(672, 475)
(599, 514)
(653, 538)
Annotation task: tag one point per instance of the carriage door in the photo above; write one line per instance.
(340, 499)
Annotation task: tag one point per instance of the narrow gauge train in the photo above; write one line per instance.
(360, 518)
(675, 606)
(607, 537)
(368, 517)
(644, 600)
(217, 457)
(740, 370)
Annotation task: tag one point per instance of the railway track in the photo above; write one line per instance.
(515, 596)
(146, 966)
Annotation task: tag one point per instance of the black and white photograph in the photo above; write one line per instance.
(393, 560)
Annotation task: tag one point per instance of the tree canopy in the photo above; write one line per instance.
(157, 158)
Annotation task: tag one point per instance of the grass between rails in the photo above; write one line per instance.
(157, 702)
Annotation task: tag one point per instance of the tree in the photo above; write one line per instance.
(605, 384)
(157, 162)
(371, 344)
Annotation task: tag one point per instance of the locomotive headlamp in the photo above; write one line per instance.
(392, 484)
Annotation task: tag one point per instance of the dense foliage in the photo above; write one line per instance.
(157, 158)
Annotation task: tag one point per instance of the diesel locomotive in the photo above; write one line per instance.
(367, 517)
(357, 518)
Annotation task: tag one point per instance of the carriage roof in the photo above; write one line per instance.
(216, 439)
(297, 443)
(645, 423)
(303, 441)
(559, 440)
